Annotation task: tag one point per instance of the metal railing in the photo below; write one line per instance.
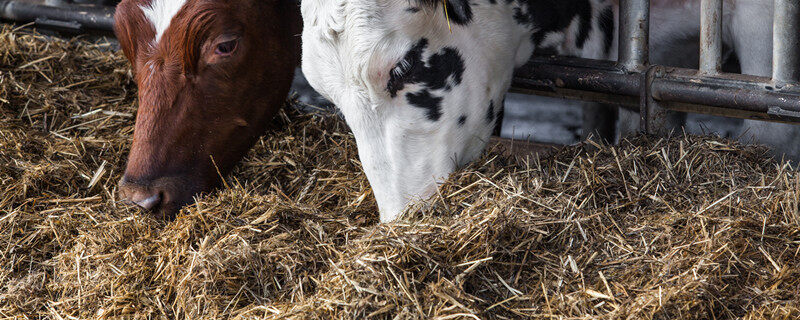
(654, 90)
(631, 81)
(60, 16)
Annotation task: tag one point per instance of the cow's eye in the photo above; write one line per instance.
(402, 68)
(227, 48)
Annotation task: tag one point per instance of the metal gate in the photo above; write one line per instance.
(631, 81)
(653, 90)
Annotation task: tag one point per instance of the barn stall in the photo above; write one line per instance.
(656, 227)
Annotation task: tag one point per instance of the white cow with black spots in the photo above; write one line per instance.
(421, 87)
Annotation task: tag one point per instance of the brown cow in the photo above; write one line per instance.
(211, 74)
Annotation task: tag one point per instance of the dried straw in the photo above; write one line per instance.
(689, 227)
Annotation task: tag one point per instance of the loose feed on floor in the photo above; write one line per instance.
(682, 228)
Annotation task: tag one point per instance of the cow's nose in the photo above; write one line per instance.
(145, 197)
(145, 201)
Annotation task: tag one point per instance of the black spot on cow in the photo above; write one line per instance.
(498, 125)
(424, 100)
(458, 11)
(441, 71)
(490, 112)
(548, 16)
(462, 120)
(606, 23)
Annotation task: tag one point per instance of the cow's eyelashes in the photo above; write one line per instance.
(398, 76)
(227, 48)
(402, 68)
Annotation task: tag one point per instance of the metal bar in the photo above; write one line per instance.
(634, 28)
(627, 102)
(786, 42)
(550, 73)
(66, 16)
(711, 36)
(653, 118)
(671, 88)
(681, 86)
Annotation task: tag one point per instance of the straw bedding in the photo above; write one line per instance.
(689, 227)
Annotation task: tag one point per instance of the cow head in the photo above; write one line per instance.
(211, 73)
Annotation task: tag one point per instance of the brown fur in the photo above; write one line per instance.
(195, 106)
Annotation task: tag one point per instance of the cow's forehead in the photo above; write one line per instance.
(160, 14)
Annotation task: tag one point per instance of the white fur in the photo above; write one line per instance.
(160, 14)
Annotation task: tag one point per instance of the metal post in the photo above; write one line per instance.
(634, 28)
(786, 42)
(711, 36)
(634, 33)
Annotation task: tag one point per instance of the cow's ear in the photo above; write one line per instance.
(327, 18)
(459, 11)
(131, 28)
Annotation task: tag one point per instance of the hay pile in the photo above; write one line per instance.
(684, 228)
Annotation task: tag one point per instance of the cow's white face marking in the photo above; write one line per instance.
(160, 14)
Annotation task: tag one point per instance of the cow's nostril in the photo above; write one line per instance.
(142, 196)
(148, 203)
